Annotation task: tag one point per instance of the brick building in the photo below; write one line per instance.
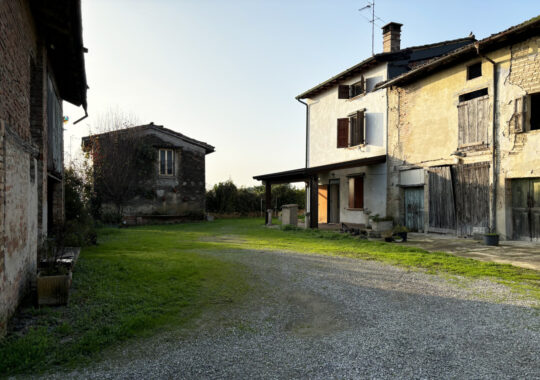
(41, 64)
(174, 185)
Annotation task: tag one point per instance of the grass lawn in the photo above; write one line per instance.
(141, 280)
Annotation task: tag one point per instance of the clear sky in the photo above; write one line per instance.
(227, 72)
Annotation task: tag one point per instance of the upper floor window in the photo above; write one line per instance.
(351, 130)
(346, 91)
(474, 70)
(473, 118)
(527, 113)
(166, 162)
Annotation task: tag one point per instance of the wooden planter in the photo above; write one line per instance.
(53, 290)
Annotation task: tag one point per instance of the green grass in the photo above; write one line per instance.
(142, 280)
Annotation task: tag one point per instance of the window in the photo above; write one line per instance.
(346, 91)
(166, 162)
(473, 118)
(474, 71)
(527, 113)
(351, 130)
(356, 192)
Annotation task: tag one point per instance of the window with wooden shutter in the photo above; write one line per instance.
(356, 192)
(357, 128)
(166, 162)
(343, 133)
(343, 91)
(473, 120)
(519, 114)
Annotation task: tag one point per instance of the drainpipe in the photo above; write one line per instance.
(307, 130)
(493, 224)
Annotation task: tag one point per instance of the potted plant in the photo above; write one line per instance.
(387, 236)
(54, 272)
(491, 238)
(381, 224)
(401, 233)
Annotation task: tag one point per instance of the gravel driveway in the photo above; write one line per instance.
(311, 316)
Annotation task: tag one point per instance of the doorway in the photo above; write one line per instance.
(333, 201)
(414, 208)
(526, 209)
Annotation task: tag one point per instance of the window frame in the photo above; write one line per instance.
(353, 181)
(474, 74)
(166, 166)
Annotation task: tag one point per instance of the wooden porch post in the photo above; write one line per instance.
(268, 194)
(314, 202)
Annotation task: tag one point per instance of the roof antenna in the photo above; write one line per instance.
(371, 5)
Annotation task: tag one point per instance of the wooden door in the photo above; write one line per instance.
(442, 217)
(471, 191)
(323, 204)
(333, 203)
(526, 209)
(414, 208)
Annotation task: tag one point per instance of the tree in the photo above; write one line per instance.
(122, 159)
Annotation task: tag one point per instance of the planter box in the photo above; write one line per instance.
(382, 226)
(53, 290)
(491, 240)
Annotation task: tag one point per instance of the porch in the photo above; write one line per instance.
(311, 176)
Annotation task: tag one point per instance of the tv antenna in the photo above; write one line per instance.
(373, 20)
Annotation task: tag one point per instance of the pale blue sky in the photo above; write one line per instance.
(227, 72)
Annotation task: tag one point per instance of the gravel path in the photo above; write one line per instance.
(312, 316)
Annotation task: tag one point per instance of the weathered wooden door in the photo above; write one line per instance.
(323, 204)
(471, 192)
(442, 217)
(414, 208)
(526, 209)
(333, 202)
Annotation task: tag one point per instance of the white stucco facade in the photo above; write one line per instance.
(324, 111)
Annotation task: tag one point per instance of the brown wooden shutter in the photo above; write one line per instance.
(360, 124)
(351, 192)
(520, 105)
(358, 192)
(343, 133)
(362, 85)
(463, 122)
(343, 91)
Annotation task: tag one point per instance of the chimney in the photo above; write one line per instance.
(391, 37)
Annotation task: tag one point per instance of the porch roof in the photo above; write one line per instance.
(302, 174)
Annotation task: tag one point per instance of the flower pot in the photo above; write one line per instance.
(53, 290)
(401, 237)
(491, 240)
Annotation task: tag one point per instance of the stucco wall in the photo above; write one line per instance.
(325, 109)
(423, 124)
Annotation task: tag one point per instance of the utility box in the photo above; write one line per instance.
(289, 215)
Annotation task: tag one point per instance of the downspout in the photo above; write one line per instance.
(495, 179)
(307, 130)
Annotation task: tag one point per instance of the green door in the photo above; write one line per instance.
(526, 209)
(414, 208)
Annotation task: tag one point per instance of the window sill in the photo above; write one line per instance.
(354, 209)
(473, 147)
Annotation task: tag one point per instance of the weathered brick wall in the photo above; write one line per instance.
(192, 180)
(18, 193)
(525, 65)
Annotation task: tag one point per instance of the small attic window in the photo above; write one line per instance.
(474, 71)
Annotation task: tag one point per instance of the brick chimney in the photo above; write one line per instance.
(391, 37)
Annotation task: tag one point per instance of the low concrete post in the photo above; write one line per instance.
(289, 215)
(269, 213)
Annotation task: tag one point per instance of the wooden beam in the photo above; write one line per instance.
(314, 202)
(268, 195)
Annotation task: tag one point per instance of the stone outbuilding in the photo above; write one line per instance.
(41, 65)
(175, 187)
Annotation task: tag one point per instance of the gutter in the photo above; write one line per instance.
(495, 141)
(307, 131)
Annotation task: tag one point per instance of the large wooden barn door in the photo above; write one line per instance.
(526, 209)
(414, 208)
(442, 216)
(471, 190)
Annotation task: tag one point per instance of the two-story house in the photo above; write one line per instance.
(346, 138)
(41, 64)
(464, 139)
(173, 185)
